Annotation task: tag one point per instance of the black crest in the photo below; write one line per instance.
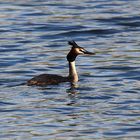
(73, 44)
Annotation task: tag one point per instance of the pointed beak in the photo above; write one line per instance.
(87, 52)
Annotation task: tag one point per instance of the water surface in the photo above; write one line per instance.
(106, 102)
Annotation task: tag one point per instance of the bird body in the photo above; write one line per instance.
(47, 79)
(53, 79)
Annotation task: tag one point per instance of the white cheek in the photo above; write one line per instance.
(80, 52)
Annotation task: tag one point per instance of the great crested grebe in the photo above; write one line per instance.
(51, 79)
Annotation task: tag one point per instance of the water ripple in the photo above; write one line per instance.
(105, 102)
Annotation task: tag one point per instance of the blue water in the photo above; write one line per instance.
(33, 40)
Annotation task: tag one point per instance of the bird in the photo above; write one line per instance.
(53, 79)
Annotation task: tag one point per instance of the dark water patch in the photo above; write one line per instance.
(59, 4)
(50, 126)
(52, 27)
(65, 110)
(115, 85)
(123, 41)
(35, 14)
(9, 82)
(4, 30)
(107, 76)
(127, 130)
(10, 46)
(13, 62)
(125, 68)
(94, 31)
(6, 103)
(17, 58)
(124, 107)
(130, 24)
(114, 79)
(124, 21)
(48, 90)
(132, 75)
(30, 4)
(41, 69)
(57, 67)
(123, 131)
(134, 78)
(26, 41)
(126, 102)
(5, 64)
(85, 88)
(16, 72)
(96, 97)
(23, 29)
(124, 72)
(88, 132)
(130, 91)
(114, 133)
(14, 110)
(70, 6)
(97, 32)
(10, 50)
(53, 46)
(107, 5)
(115, 19)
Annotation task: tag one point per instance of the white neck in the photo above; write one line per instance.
(72, 72)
